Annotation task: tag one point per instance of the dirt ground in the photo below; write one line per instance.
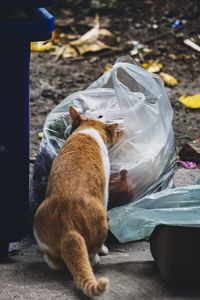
(147, 21)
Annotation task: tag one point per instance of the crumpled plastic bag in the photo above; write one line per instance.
(137, 101)
(136, 221)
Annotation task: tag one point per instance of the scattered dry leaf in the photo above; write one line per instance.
(168, 79)
(107, 67)
(89, 21)
(67, 22)
(58, 52)
(152, 66)
(73, 45)
(107, 37)
(61, 38)
(89, 42)
(40, 135)
(191, 101)
(89, 46)
(150, 53)
(137, 47)
(69, 51)
(41, 46)
(180, 56)
(93, 59)
(192, 44)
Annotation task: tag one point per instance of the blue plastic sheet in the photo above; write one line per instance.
(137, 220)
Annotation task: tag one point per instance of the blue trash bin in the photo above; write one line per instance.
(17, 30)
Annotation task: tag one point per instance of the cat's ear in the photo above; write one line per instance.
(111, 128)
(75, 115)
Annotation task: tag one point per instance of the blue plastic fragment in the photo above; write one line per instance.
(177, 24)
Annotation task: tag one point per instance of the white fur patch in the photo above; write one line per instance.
(49, 263)
(104, 157)
(52, 265)
(104, 250)
(42, 245)
(96, 260)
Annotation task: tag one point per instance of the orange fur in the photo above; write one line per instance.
(71, 222)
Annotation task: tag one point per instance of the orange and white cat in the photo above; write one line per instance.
(70, 225)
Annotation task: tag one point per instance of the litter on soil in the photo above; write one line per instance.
(191, 101)
(187, 164)
(53, 78)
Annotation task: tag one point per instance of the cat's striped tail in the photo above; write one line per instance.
(75, 255)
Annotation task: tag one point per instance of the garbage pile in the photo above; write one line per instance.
(143, 160)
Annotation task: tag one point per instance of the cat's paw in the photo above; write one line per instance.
(104, 250)
(95, 260)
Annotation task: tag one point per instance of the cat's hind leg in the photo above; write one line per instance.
(54, 263)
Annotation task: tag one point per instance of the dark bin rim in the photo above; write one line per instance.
(38, 26)
(24, 4)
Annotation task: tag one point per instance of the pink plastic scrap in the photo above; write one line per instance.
(187, 164)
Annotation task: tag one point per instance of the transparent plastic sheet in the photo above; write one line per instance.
(136, 221)
(138, 102)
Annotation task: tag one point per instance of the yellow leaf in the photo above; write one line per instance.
(41, 46)
(69, 51)
(168, 79)
(65, 51)
(191, 101)
(107, 67)
(152, 66)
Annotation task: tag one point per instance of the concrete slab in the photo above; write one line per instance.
(130, 268)
(184, 177)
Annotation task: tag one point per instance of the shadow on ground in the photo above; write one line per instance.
(131, 271)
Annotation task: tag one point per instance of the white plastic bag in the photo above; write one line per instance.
(135, 99)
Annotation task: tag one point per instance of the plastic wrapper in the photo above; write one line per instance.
(136, 221)
(137, 101)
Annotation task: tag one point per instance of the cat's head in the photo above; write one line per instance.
(109, 132)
